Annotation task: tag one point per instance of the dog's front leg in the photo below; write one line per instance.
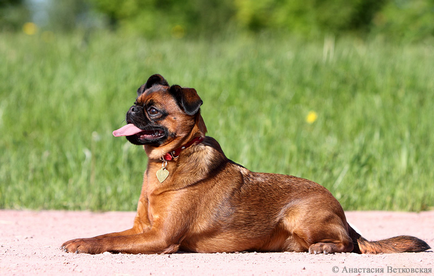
(147, 243)
(141, 224)
(164, 236)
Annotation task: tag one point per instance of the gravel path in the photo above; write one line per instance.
(30, 242)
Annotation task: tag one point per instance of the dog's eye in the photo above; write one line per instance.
(153, 111)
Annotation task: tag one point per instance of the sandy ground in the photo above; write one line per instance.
(30, 245)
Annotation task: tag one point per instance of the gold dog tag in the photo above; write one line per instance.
(162, 174)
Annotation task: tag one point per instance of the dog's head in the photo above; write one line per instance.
(163, 116)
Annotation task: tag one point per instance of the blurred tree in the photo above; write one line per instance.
(308, 17)
(408, 20)
(67, 15)
(13, 14)
(364, 13)
(163, 18)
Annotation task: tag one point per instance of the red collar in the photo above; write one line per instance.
(175, 153)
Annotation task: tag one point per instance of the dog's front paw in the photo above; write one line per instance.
(90, 246)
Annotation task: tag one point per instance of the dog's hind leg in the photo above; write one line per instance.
(318, 232)
(329, 239)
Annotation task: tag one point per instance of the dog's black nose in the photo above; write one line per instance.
(134, 112)
(135, 109)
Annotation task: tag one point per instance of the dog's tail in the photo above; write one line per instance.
(392, 245)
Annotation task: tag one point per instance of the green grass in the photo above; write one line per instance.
(372, 145)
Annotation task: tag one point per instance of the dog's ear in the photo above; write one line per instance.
(186, 98)
(153, 80)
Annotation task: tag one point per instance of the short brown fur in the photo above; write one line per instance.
(211, 204)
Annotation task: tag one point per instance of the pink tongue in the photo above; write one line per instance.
(127, 130)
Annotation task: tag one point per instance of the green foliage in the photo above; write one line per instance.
(398, 20)
(371, 145)
(67, 15)
(13, 14)
(167, 17)
(308, 17)
(406, 20)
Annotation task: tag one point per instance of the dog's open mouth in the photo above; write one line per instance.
(140, 136)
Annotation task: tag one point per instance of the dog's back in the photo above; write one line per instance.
(274, 212)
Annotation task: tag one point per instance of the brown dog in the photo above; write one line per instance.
(195, 199)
